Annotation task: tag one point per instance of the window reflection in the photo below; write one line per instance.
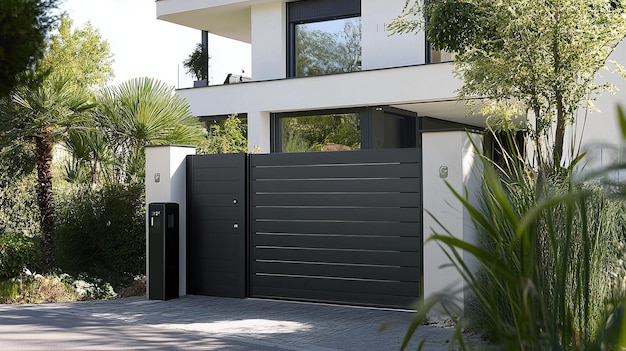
(328, 47)
(334, 132)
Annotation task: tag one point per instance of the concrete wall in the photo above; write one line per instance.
(454, 151)
(166, 179)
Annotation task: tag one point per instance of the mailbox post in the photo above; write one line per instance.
(163, 233)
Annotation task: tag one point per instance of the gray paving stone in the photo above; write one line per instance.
(208, 323)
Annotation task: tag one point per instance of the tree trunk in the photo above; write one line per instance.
(43, 153)
(559, 133)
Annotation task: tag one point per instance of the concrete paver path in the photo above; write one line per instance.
(208, 323)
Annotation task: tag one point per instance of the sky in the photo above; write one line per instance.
(146, 47)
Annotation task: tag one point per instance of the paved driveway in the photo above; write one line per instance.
(207, 323)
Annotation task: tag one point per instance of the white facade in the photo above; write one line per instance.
(166, 178)
(394, 74)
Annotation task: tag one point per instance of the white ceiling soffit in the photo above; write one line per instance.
(230, 21)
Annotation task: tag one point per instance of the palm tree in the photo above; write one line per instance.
(40, 114)
(140, 112)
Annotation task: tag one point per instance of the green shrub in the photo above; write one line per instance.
(101, 231)
(18, 205)
(17, 252)
(52, 287)
(546, 250)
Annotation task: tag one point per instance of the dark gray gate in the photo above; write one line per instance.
(339, 227)
(216, 222)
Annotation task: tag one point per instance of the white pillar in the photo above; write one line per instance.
(166, 181)
(259, 132)
(447, 157)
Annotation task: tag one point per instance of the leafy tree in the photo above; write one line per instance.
(526, 57)
(82, 52)
(40, 115)
(197, 64)
(43, 113)
(140, 112)
(24, 25)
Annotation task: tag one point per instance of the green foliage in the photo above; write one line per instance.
(197, 64)
(81, 53)
(101, 231)
(140, 112)
(18, 205)
(24, 25)
(227, 137)
(537, 58)
(18, 252)
(539, 273)
(30, 287)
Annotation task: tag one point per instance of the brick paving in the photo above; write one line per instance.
(208, 323)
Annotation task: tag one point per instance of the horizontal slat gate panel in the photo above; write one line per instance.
(338, 171)
(387, 273)
(340, 242)
(340, 226)
(407, 185)
(379, 287)
(216, 238)
(337, 213)
(346, 199)
(344, 228)
(403, 259)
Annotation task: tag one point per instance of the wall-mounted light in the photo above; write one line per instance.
(443, 172)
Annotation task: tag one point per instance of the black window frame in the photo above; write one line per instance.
(309, 11)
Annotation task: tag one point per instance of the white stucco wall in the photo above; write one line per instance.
(453, 150)
(259, 131)
(598, 130)
(269, 48)
(169, 163)
(379, 48)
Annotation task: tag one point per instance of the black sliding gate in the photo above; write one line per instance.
(339, 227)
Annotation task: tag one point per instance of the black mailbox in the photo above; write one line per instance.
(163, 236)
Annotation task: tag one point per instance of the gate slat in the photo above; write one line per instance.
(388, 243)
(378, 199)
(403, 274)
(338, 213)
(378, 287)
(380, 170)
(344, 228)
(390, 258)
(406, 185)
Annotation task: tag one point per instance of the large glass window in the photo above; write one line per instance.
(331, 132)
(328, 47)
(324, 37)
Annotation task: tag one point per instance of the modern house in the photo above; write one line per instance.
(332, 60)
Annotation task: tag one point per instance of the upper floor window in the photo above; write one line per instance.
(324, 37)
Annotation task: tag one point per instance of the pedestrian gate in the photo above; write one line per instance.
(340, 227)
